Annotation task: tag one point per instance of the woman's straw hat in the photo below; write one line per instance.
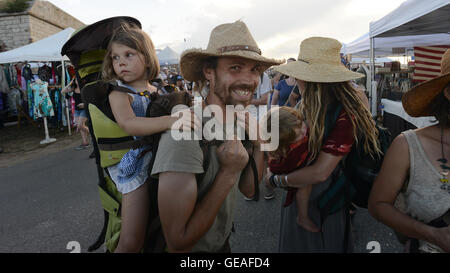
(226, 40)
(417, 101)
(319, 60)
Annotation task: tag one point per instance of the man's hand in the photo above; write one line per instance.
(232, 156)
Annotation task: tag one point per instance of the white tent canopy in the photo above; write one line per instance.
(168, 56)
(385, 45)
(414, 17)
(45, 50)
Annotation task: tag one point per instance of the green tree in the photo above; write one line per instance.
(11, 6)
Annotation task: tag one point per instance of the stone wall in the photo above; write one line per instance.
(53, 15)
(15, 31)
(39, 29)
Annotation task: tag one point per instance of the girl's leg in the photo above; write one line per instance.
(134, 220)
(302, 198)
(84, 130)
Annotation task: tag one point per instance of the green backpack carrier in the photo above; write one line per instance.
(86, 50)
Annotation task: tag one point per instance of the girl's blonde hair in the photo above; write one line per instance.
(138, 40)
(315, 101)
(289, 120)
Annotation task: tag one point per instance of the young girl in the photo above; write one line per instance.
(131, 60)
(292, 154)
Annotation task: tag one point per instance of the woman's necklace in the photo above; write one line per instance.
(444, 180)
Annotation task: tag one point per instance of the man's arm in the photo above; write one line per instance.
(184, 222)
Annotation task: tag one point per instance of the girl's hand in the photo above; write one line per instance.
(185, 120)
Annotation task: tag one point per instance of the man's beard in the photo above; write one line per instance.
(224, 93)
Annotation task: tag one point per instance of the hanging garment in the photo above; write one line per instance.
(13, 101)
(55, 96)
(4, 86)
(27, 73)
(45, 73)
(43, 106)
(53, 74)
(19, 75)
(23, 80)
(2, 107)
(30, 97)
(8, 74)
(68, 78)
(71, 71)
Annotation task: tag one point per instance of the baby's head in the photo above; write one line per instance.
(137, 40)
(292, 128)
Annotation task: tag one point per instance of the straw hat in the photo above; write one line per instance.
(417, 101)
(226, 40)
(319, 60)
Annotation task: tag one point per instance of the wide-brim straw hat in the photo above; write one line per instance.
(319, 60)
(417, 101)
(226, 40)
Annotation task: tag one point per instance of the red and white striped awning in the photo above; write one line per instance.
(428, 62)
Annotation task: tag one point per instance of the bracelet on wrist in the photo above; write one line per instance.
(286, 181)
(277, 182)
(272, 182)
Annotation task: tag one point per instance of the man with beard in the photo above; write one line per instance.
(196, 215)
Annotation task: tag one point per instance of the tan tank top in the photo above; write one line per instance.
(424, 198)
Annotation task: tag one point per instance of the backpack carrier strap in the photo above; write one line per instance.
(330, 201)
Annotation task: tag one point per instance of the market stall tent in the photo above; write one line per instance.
(45, 50)
(411, 18)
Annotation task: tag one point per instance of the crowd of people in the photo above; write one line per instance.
(196, 215)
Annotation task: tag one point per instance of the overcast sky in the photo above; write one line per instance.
(278, 26)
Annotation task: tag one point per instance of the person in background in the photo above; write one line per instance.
(283, 90)
(179, 83)
(80, 113)
(412, 190)
(324, 83)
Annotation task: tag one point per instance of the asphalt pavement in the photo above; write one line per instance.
(51, 205)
